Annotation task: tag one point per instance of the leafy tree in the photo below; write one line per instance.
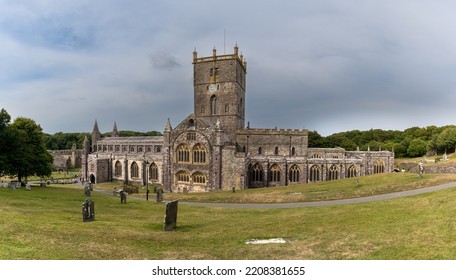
(5, 140)
(29, 155)
(417, 148)
(447, 139)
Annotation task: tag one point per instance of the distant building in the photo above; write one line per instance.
(212, 149)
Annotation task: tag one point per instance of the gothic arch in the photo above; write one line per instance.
(153, 172)
(352, 172)
(256, 175)
(183, 153)
(118, 169)
(214, 105)
(274, 173)
(314, 174)
(199, 154)
(333, 173)
(199, 178)
(134, 170)
(379, 166)
(182, 177)
(293, 174)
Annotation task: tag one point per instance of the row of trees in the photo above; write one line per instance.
(22, 149)
(412, 142)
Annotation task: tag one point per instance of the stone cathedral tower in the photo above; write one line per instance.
(219, 89)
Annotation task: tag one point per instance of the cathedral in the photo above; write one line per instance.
(213, 149)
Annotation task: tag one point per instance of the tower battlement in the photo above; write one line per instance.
(215, 57)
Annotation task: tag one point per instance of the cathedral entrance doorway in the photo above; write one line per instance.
(92, 178)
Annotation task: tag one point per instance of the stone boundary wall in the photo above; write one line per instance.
(437, 169)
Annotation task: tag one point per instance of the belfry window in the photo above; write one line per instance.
(214, 105)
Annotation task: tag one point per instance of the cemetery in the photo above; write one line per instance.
(45, 223)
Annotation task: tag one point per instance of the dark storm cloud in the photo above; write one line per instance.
(325, 65)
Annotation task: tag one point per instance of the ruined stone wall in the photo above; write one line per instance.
(65, 159)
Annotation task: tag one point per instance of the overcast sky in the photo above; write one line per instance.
(329, 66)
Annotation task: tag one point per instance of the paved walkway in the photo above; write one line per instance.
(329, 202)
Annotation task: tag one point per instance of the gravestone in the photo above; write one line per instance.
(87, 191)
(170, 216)
(159, 195)
(88, 211)
(28, 186)
(123, 197)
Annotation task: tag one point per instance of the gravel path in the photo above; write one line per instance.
(327, 203)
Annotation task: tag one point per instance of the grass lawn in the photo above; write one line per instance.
(46, 223)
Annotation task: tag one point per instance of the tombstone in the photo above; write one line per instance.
(170, 216)
(87, 191)
(28, 186)
(123, 197)
(88, 211)
(159, 195)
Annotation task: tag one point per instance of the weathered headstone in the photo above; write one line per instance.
(28, 186)
(123, 197)
(88, 211)
(87, 191)
(170, 216)
(159, 195)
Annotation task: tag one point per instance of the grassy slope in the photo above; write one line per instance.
(46, 223)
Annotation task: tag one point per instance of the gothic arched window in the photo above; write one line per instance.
(183, 153)
(351, 171)
(199, 154)
(274, 173)
(293, 174)
(379, 166)
(333, 173)
(118, 169)
(134, 170)
(153, 172)
(314, 175)
(256, 173)
(182, 176)
(199, 178)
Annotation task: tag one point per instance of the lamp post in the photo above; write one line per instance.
(147, 181)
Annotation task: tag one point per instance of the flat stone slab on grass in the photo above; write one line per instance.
(267, 241)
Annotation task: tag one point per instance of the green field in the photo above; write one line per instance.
(46, 223)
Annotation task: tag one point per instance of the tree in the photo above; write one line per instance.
(5, 140)
(28, 155)
(417, 148)
(447, 139)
